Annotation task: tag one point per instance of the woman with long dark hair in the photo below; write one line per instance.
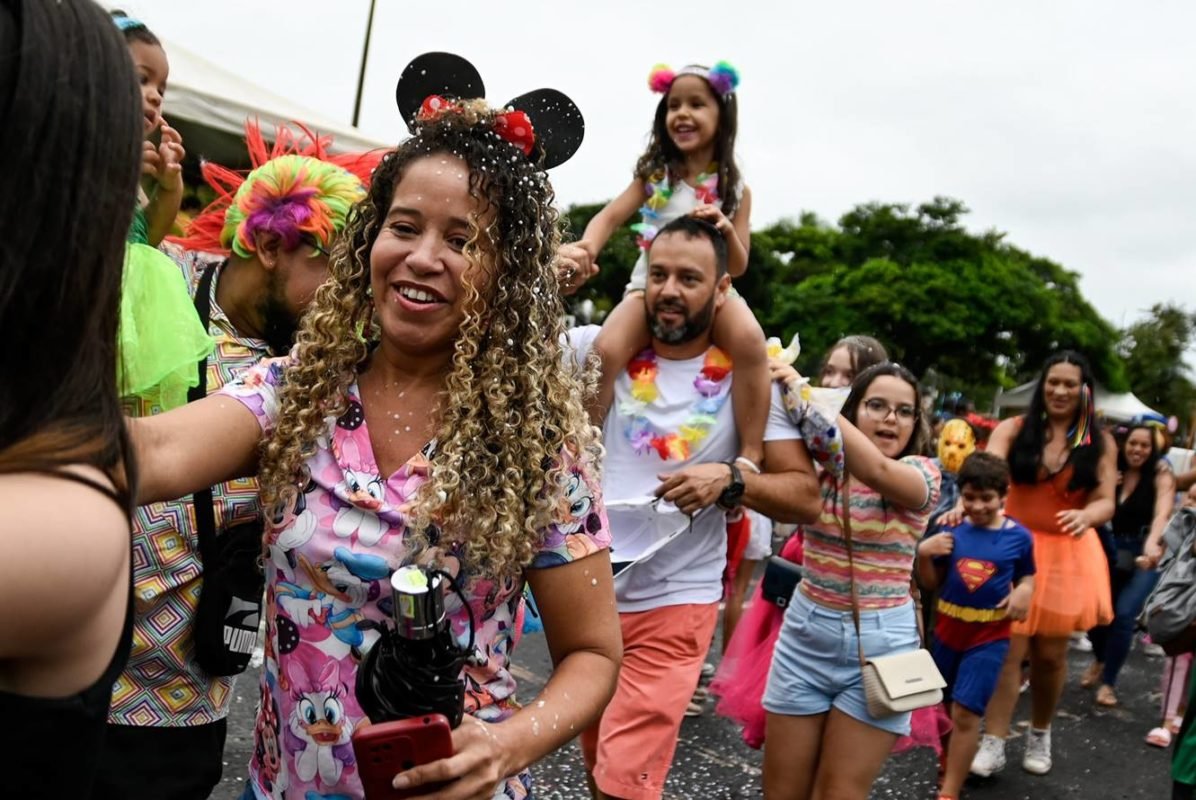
(1145, 499)
(821, 739)
(70, 153)
(1063, 470)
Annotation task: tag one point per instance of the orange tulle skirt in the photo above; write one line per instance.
(1071, 586)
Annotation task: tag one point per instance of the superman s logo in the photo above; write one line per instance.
(974, 572)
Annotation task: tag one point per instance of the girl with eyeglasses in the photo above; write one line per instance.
(743, 670)
(820, 740)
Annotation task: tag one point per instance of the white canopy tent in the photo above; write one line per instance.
(1110, 405)
(209, 106)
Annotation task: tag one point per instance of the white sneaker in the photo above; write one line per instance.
(1037, 760)
(990, 758)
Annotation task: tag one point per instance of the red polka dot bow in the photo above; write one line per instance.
(513, 126)
(516, 128)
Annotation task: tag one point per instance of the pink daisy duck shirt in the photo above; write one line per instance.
(328, 565)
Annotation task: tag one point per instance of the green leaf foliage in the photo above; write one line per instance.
(1153, 349)
(979, 311)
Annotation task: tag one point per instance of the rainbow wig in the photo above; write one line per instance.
(295, 191)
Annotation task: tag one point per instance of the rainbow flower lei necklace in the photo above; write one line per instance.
(660, 190)
(674, 445)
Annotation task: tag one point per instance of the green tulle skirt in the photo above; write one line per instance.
(161, 339)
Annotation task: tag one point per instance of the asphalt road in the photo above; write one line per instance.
(1098, 753)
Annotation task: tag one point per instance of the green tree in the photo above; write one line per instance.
(977, 310)
(1153, 349)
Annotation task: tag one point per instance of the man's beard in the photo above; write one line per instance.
(278, 323)
(690, 328)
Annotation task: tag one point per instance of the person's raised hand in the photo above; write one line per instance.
(715, 216)
(782, 372)
(952, 516)
(170, 159)
(574, 266)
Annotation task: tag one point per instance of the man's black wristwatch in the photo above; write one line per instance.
(731, 496)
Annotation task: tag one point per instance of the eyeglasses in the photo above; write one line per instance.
(879, 410)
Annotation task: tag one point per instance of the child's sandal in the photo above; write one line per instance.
(1159, 737)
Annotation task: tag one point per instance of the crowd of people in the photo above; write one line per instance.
(349, 364)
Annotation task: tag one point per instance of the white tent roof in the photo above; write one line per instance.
(1118, 407)
(209, 105)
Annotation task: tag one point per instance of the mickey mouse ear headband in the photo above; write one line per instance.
(544, 121)
(722, 77)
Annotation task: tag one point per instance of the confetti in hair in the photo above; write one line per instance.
(295, 191)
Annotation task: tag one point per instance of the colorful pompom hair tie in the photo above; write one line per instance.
(722, 77)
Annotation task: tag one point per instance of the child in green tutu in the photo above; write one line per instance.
(161, 339)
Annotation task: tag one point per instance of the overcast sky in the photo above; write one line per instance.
(1069, 125)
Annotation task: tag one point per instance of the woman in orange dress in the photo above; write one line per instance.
(1064, 472)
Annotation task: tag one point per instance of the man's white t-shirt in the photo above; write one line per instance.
(688, 569)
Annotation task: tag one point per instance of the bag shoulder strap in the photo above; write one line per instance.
(915, 592)
(855, 594)
(205, 512)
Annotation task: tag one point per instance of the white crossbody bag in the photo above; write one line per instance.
(898, 683)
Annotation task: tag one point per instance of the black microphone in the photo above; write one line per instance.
(415, 668)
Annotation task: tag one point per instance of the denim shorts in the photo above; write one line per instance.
(816, 665)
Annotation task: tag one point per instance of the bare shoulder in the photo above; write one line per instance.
(64, 548)
(1007, 428)
(1003, 435)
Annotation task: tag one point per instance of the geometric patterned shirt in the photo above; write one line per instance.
(161, 685)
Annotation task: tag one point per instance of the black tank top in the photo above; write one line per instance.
(1135, 513)
(50, 747)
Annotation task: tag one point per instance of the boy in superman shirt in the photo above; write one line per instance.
(983, 570)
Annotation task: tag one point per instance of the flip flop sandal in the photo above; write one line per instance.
(1159, 737)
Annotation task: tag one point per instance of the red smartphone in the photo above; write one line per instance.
(386, 749)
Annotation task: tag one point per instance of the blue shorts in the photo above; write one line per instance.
(971, 674)
(816, 664)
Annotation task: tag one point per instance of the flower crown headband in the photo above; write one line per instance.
(543, 121)
(722, 77)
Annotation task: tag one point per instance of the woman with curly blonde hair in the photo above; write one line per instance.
(426, 415)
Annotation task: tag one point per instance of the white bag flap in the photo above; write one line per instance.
(904, 674)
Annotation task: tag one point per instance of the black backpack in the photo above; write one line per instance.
(1170, 611)
(230, 597)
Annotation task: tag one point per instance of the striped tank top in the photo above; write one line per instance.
(885, 538)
